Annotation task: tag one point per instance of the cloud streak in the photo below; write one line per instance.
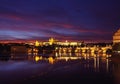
(64, 19)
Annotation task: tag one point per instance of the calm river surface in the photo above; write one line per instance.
(59, 68)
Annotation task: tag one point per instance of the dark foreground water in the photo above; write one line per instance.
(59, 68)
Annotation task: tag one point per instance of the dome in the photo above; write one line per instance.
(116, 37)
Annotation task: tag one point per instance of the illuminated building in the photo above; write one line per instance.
(116, 37)
(36, 43)
(73, 46)
(66, 43)
(51, 41)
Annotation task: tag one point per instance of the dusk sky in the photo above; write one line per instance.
(89, 20)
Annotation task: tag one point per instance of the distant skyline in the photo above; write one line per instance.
(86, 20)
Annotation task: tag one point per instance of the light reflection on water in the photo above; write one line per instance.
(96, 59)
(48, 63)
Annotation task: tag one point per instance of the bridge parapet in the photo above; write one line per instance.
(84, 49)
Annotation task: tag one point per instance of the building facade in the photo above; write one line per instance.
(52, 41)
(116, 37)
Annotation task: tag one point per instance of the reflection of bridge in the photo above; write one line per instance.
(94, 49)
(85, 59)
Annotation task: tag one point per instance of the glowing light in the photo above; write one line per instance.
(95, 65)
(51, 60)
(37, 58)
(66, 59)
(40, 57)
(107, 64)
(66, 43)
(56, 48)
(56, 54)
(51, 41)
(36, 43)
(73, 43)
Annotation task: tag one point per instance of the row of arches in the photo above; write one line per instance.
(82, 50)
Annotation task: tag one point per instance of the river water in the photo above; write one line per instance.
(60, 68)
